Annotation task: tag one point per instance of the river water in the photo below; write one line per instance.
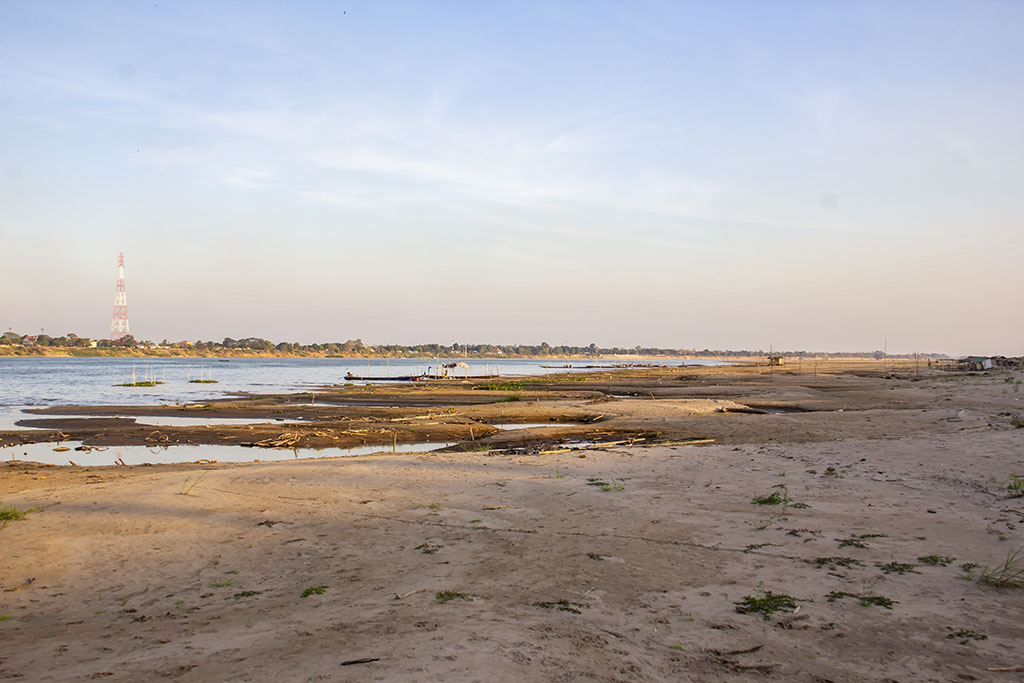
(44, 381)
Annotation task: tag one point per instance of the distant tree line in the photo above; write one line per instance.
(356, 347)
(69, 340)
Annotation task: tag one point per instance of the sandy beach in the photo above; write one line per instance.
(550, 559)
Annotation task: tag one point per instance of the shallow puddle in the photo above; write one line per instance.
(163, 420)
(533, 425)
(159, 455)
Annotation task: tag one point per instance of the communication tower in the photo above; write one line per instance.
(119, 323)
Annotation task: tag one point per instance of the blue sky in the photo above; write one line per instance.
(820, 176)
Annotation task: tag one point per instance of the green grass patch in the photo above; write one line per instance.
(447, 596)
(964, 635)
(864, 600)
(765, 603)
(563, 606)
(500, 386)
(1009, 574)
(777, 497)
(187, 486)
(758, 546)
(10, 513)
(857, 541)
(313, 590)
(1016, 486)
(897, 568)
(246, 594)
(428, 549)
(834, 562)
(774, 498)
(936, 560)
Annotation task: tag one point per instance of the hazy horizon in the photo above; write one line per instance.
(840, 176)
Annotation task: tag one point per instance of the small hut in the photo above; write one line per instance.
(976, 363)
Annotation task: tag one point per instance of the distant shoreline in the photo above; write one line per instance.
(14, 351)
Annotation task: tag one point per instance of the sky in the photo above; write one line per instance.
(731, 175)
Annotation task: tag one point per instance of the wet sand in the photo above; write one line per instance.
(612, 563)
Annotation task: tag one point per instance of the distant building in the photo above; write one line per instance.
(976, 363)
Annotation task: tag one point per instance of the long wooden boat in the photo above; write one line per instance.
(403, 378)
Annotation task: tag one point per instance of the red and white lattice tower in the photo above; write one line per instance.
(119, 323)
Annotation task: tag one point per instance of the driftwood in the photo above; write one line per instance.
(284, 440)
(606, 444)
(365, 660)
(691, 442)
(26, 584)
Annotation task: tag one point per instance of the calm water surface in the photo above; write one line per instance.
(37, 382)
(88, 381)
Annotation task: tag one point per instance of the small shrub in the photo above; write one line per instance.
(766, 603)
(775, 498)
(313, 590)
(447, 596)
(964, 635)
(1016, 485)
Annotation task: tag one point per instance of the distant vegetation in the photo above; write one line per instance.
(12, 344)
